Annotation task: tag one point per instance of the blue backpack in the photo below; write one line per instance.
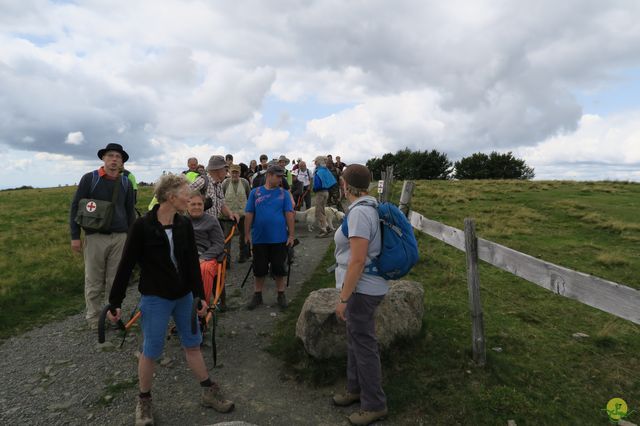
(399, 246)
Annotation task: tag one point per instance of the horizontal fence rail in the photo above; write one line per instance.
(608, 296)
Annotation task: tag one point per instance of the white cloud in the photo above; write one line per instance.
(75, 138)
(166, 78)
(601, 148)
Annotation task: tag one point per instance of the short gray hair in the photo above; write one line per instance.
(168, 185)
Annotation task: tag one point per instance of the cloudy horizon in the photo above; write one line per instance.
(555, 83)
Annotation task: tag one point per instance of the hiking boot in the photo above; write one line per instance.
(255, 301)
(364, 417)
(346, 398)
(322, 234)
(282, 300)
(212, 397)
(144, 414)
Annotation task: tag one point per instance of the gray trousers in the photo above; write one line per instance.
(364, 373)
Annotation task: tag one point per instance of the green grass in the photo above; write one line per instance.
(40, 278)
(542, 375)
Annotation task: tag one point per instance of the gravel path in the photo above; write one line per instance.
(57, 374)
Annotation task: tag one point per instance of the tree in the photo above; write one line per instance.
(473, 167)
(493, 166)
(408, 164)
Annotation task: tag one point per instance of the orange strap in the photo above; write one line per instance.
(220, 273)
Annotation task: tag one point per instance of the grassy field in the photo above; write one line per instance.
(542, 375)
(40, 278)
(536, 373)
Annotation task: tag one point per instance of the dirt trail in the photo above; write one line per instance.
(56, 374)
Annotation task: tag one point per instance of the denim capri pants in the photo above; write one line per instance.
(156, 311)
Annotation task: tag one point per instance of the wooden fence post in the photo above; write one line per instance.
(473, 283)
(388, 184)
(405, 197)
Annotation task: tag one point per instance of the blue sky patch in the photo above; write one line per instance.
(293, 116)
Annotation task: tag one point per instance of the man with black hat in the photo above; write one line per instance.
(103, 206)
(269, 229)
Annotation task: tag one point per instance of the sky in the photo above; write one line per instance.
(556, 83)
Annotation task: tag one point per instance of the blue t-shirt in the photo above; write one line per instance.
(269, 207)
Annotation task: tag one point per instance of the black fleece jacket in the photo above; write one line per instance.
(147, 244)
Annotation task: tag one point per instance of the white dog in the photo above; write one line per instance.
(309, 215)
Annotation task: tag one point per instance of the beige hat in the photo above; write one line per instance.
(234, 168)
(285, 159)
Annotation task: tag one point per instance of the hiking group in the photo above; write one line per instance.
(183, 234)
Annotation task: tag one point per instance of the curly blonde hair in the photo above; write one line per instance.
(168, 185)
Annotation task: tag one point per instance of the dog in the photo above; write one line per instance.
(333, 215)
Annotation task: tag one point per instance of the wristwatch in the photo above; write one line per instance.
(343, 301)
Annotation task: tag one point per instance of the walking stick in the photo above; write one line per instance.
(244, 281)
(247, 275)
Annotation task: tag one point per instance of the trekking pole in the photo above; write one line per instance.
(247, 275)
(102, 322)
(135, 315)
(244, 281)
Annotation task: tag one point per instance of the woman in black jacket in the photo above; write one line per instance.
(163, 244)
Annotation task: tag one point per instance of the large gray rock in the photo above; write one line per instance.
(324, 336)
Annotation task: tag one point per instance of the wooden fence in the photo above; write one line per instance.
(608, 296)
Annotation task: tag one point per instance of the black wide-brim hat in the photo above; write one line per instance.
(114, 147)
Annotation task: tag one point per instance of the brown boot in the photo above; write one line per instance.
(364, 417)
(144, 412)
(212, 397)
(345, 399)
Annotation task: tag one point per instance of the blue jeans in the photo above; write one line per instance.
(155, 319)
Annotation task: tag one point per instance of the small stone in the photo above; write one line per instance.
(106, 346)
(273, 314)
(90, 416)
(497, 349)
(580, 335)
(468, 371)
(108, 398)
(62, 361)
(60, 406)
(166, 362)
(12, 410)
(47, 369)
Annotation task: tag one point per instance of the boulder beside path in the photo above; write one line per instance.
(324, 335)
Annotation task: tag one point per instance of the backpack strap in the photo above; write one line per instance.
(95, 178)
